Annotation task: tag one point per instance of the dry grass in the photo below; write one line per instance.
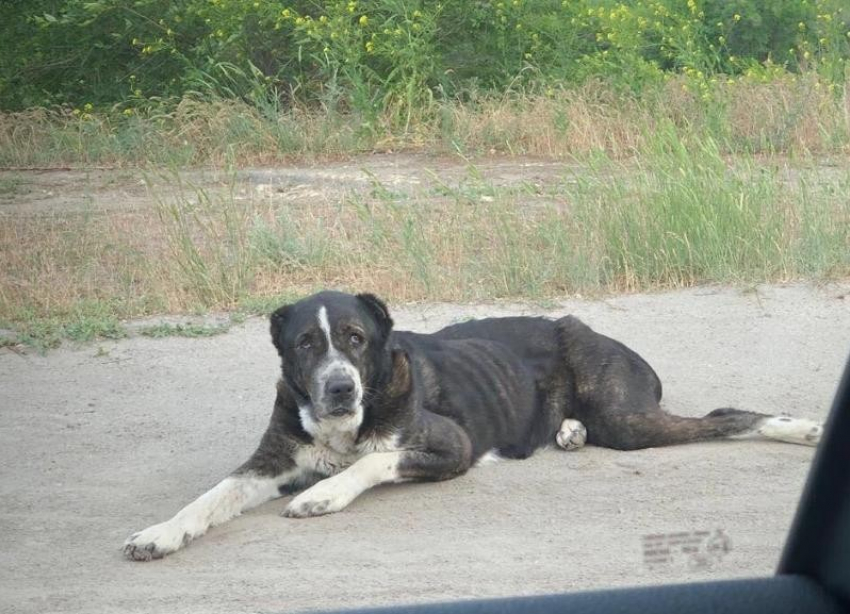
(687, 217)
(793, 114)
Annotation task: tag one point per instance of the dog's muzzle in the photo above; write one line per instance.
(339, 394)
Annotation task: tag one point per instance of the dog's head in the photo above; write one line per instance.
(333, 349)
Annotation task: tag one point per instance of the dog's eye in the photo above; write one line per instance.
(356, 339)
(305, 344)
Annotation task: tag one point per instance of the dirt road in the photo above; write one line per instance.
(105, 439)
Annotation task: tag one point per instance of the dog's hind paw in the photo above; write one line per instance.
(791, 430)
(572, 435)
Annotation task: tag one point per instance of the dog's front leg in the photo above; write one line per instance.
(445, 452)
(269, 471)
(334, 493)
(235, 494)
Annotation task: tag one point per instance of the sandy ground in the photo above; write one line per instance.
(419, 175)
(47, 192)
(101, 440)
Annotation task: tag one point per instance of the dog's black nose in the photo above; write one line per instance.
(340, 388)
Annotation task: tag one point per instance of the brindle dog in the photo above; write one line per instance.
(360, 404)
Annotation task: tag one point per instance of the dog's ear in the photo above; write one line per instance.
(278, 321)
(400, 383)
(379, 311)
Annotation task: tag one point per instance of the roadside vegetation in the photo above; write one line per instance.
(190, 82)
(711, 139)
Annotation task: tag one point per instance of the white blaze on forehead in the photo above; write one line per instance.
(325, 325)
(334, 362)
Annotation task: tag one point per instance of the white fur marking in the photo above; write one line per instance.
(310, 425)
(338, 434)
(782, 428)
(327, 460)
(572, 435)
(325, 325)
(323, 459)
(335, 493)
(373, 443)
(488, 458)
(333, 363)
(224, 501)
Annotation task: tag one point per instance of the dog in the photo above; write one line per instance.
(359, 404)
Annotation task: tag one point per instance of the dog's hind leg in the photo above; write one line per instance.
(649, 429)
(616, 394)
(572, 435)
(784, 428)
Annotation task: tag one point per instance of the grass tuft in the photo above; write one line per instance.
(158, 331)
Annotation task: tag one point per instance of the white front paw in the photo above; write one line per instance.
(326, 497)
(156, 541)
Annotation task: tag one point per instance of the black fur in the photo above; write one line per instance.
(499, 384)
(361, 405)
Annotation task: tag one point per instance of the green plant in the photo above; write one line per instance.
(189, 329)
(390, 60)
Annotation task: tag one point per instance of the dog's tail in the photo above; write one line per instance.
(658, 428)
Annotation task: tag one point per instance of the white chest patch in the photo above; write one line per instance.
(338, 434)
(323, 460)
(369, 445)
(334, 450)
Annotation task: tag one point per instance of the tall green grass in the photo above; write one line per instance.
(684, 216)
(683, 213)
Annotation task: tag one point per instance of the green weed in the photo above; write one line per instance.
(84, 322)
(189, 329)
(207, 236)
(11, 186)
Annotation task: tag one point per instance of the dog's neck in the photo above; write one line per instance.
(339, 434)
